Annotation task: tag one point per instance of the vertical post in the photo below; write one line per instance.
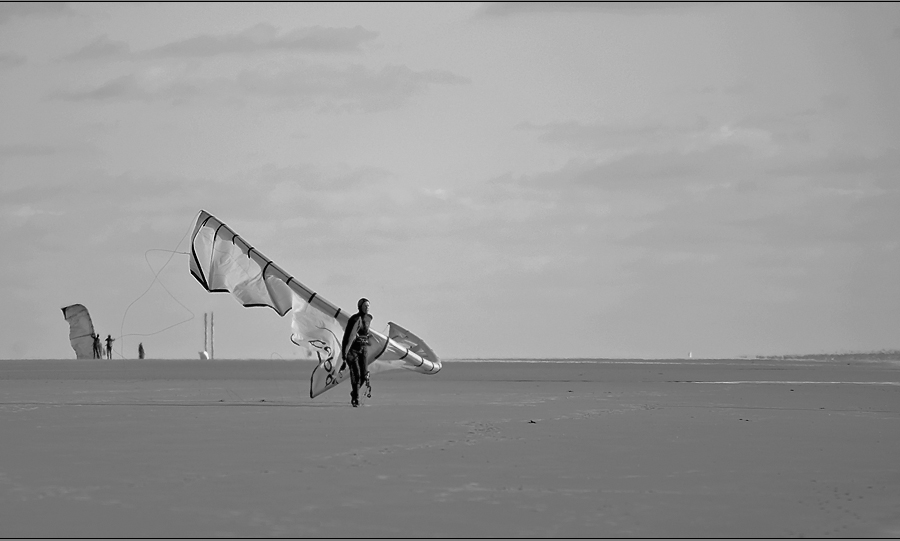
(205, 339)
(212, 345)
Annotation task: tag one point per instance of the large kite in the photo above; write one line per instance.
(222, 261)
(81, 331)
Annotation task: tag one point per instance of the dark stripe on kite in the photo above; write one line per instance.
(387, 340)
(263, 305)
(201, 280)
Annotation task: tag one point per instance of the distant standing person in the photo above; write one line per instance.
(355, 348)
(98, 349)
(109, 341)
(141, 350)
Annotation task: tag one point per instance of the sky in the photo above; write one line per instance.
(505, 180)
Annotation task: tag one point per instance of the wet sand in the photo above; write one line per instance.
(690, 448)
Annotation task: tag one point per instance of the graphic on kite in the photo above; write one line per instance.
(222, 261)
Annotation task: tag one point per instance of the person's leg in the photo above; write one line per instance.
(364, 369)
(354, 376)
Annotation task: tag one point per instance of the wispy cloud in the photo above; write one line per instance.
(682, 189)
(353, 87)
(604, 136)
(259, 39)
(9, 10)
(266, 37)
(100, 48)
(20, 215)
(505, 9)
(147, 85)
(317, 86)
(27, 149)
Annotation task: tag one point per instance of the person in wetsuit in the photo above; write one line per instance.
(355, 348)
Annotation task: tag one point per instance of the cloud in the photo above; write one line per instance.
(155, 84)
(790, 219)
(259, 39)
(682, 191)
(102, 47)
(657, 150)
(9, 10)
(719, 201)
(353, 88)
(11, 60)
(21, 215)
(700, 240)
(658, 169)
(264, 37)
(506, 9)
(600, 135)
(27, 150)
(316, 86)
(759, 145)
(844, 171)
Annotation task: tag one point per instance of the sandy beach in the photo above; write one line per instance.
(678, 448)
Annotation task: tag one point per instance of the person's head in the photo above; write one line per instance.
(363, 305)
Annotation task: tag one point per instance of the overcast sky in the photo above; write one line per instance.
(505, 180)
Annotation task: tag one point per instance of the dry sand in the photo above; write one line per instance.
(702, 448)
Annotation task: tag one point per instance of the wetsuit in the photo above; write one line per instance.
(355, 348)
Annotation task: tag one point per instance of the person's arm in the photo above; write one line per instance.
(348, 333)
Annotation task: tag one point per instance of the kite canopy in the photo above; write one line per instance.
(81, 330)
(222, 261)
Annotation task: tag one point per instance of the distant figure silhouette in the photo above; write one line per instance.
(98, 350)
(141, 350)
(109, 341)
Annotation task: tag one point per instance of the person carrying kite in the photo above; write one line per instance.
(355, 349)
